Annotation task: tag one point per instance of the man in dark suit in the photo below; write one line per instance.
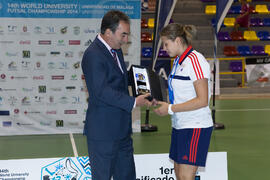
(108, 119)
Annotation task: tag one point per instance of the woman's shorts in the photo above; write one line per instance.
(190, 146)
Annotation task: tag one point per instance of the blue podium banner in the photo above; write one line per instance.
(67, 8)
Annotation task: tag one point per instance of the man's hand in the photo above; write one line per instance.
(142, 100)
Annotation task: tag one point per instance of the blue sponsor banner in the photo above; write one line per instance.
(4, 113)
(68, 8)
(223, 7)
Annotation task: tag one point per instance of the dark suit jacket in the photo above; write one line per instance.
(109, 108)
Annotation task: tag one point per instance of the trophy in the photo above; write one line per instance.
(146, 81)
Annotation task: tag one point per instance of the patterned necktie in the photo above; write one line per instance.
(114, 55)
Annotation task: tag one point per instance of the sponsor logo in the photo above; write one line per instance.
(3, 76)
(83, 89)
(18, 77)
(68, 54)
(25, 30)
(63, 100)
(26, 54)
(42, 89)
(76, 65)
(61, 43)
(31, 112)
(12, 66)
(73, 168)
(55, 53)
(25, 101)
(87, 43)
(42, 123)
(56, 89)
(37, 30)
(50, 30)
(11, 54)
(70, 112)
(6, 42)
(16, 111)
(27, 89)
(88, 30)
(63, 30)
(59, 123)
(38, 99)
(12, 100)
(7, 123)
(12, 28)
(70, 88)
(2, 89)
(58, 77)
(4, 113)
(74, 42)
(41, 77)
(51, 112)
(81, 53)
(185, 157)
(73, 123)
(40, 54)
(24, 124)
(76, 30)
(25, 65)
(51, 65)
(76, 100)
(25, 42)
(44, 42)
(51, 99)
(63, 65)
(73, 77)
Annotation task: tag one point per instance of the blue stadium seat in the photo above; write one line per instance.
(147, 52)
(263, 35)
(235, 10)
(266, 21)
(244, 50)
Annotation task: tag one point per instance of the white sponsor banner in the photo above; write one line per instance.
(42, 88)
(258, 72)
(148, 167)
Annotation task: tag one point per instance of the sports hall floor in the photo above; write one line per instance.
(246, 139)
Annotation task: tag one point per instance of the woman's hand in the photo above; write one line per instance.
(162, 110)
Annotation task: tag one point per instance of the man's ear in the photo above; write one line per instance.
(108, 32)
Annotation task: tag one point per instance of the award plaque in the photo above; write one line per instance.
(145, 81)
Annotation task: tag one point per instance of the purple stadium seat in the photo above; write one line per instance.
(162, 53)
(236, 66)
(266, 21)
(256, 22)
(258, 51)
(224, 36)
(263, 35)
(244, 50)
(147, 52)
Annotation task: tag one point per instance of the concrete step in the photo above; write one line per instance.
(228, 82)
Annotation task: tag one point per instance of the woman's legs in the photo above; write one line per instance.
(185, 171)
